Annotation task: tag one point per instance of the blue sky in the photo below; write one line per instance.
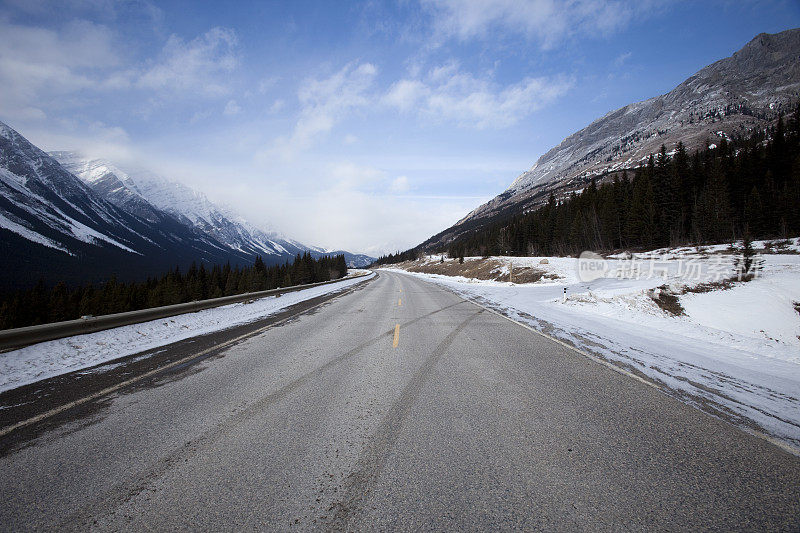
(368, 126)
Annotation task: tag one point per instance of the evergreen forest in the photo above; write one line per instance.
(717, 194)
(42, 304)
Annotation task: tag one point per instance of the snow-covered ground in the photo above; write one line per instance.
(52, 358)
(735, 352)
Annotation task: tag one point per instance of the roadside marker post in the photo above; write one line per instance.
(565, 295)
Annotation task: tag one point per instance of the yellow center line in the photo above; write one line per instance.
(396, 336)
(400, 302)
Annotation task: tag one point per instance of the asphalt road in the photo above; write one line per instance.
(397, 406)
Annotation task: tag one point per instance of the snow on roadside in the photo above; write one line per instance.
(735, 352)
(60, 356)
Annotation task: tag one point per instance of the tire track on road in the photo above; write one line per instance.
(126, 491)
(373, 458)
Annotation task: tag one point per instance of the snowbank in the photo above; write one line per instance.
(735, 352)
(52, 358)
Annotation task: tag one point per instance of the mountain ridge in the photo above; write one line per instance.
(187, 205)
(729, 97)
(128, 188)
(56, 226)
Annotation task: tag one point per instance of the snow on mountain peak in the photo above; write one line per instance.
(189, 206)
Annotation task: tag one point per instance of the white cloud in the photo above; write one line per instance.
(622, 59)
(400, 184)
(377, 224)
(51, 72)
(39, 66)
(350, 139)
(323, 103)
(29, 114)
(345, 205)
(200, 65)
(405, 94)
(348, 203)
(267, 83)
(79, 43)
(232, 108)
(277, 105)
(350, 176)
(545, 21)
(63, 84)
(137, 11)
(347, 218)
(199, 116)
(108, 134)
(446, 93)
(96, 139)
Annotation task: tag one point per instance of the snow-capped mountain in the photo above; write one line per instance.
(54, 226)
(725, 99)
(44, 204)
(187, 205)
(115, 186)
(148, 195)
(352, 260)
(57, 226)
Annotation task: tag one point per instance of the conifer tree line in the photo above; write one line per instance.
(748, 184)
(42, 304)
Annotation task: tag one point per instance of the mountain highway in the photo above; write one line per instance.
(394, 406)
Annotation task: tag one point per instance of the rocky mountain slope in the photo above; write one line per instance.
(53, 226)
(147, 192)
(56, 226)
(727, 98)
(141, 192)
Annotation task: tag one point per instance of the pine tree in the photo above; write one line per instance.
(754, 212)
(713, 214)
(640, 226)
(747, 264)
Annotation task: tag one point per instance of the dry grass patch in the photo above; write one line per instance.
(722, 285)
(668, 299)
(478, 268)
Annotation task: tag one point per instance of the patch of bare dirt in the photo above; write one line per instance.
(477, 268)
(667, 301)
(722, 285)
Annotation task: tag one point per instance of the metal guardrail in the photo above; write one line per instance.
(20, 337)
